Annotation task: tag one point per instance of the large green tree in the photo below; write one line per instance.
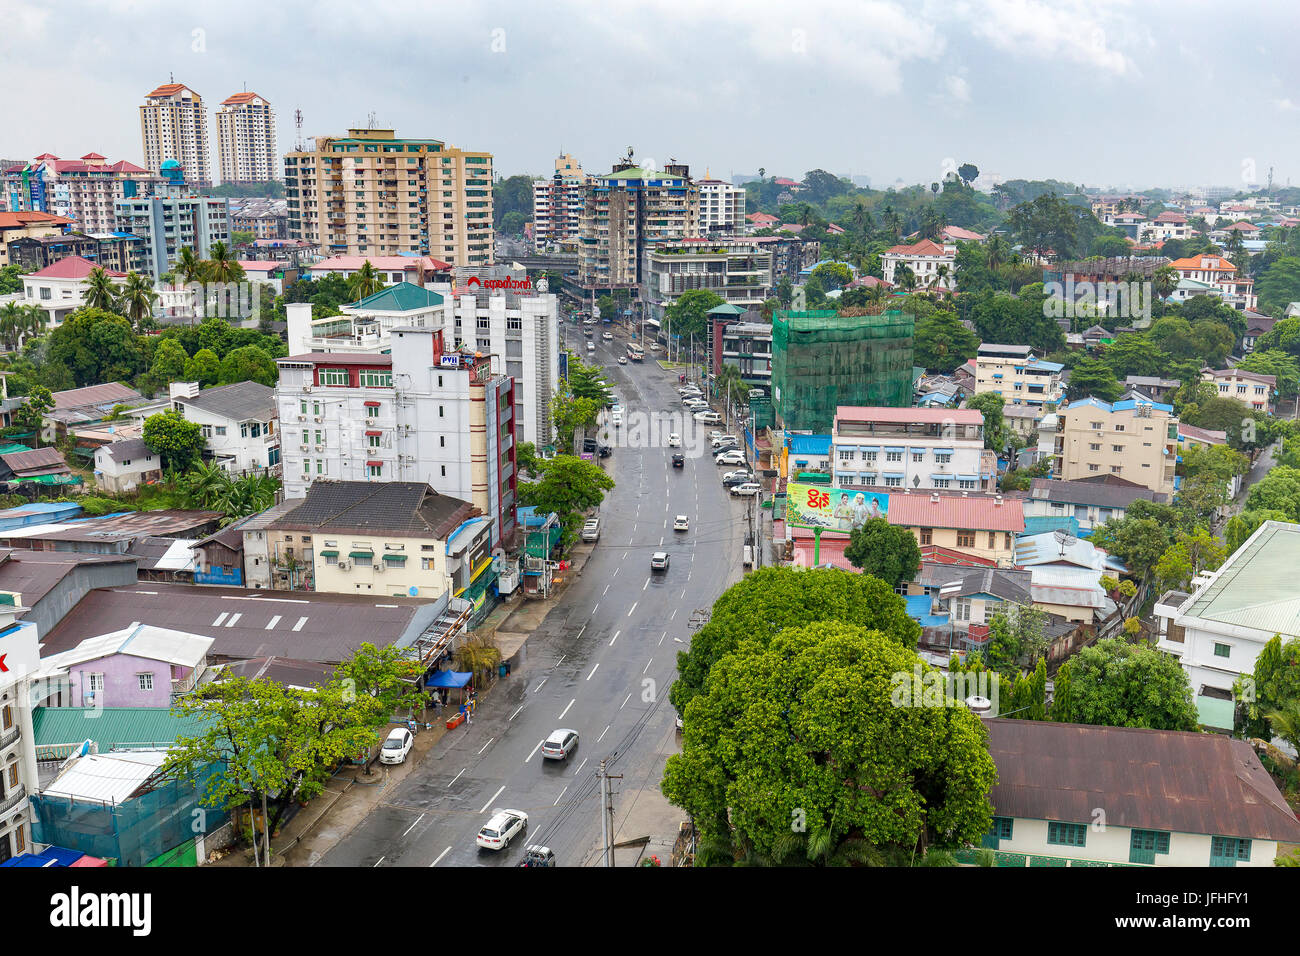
(97, 346)
(881, 549)
(1093, 378)
(1116, 684)
(567, 486)
(942, 344)
(248, 364)
(175, 439)
(689, 314)
(800, 749)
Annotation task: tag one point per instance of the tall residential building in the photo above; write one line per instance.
(246, 140)
(1136, 440)
(1014, 373)
(419, 413)
(557, 204)
(722, 207)
(372, 194)
(174, 125)
(172, 219)
(82, 190)
(626, 211)
(738, 270)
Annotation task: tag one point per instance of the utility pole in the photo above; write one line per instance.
(607, 814)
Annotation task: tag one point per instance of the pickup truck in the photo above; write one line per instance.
(591, 530)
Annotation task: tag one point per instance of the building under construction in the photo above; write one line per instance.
(823, 359)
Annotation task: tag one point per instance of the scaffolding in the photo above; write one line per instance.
(823, 359)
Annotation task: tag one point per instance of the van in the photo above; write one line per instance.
(749, 555)
(591, 530)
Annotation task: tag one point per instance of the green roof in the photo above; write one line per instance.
(636, 172)
(110, 726)
(403, 297)
(726, 309)
(1214, 713)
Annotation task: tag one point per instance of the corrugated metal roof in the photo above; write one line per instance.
(111, 727)
(111, 778)
(1255, 587)
(951, 511)
(1148, 779)
(152, 643)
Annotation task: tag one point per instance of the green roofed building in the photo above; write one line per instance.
(822, 359)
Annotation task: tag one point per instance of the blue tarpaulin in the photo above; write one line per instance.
(449, 679)
(50, 856)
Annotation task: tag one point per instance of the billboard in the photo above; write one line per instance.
(832, 509)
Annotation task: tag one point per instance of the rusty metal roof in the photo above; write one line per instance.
(1149, 779)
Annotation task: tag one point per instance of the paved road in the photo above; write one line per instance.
(601, 665)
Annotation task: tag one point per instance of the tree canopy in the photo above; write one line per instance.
(1117, 684)
(884, 550)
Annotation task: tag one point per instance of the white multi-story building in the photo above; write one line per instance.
(174, 125)
(60, 288)
(172, 219)
(418, 413)
(912, 448)
(1014, 373)
(20, 653)
(557, 204)
(924, 259)
(722, 207)
(246, 140)
(238, 422)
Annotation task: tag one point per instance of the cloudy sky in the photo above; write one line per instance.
(1102, 92)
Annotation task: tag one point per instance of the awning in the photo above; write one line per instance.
(361, 554)
(375, 463)
(449, 679)
(328, 554)
(395, 557)
(373, 434)
(894, 474)
(370, 404)
(940, 477)
(943, 451)
(967, 477)
(874, 449)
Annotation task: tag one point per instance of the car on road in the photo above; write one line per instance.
(591, 347)
(733, 456)
(656, 347)
(715, 434)
(679, 461)
(684, 389)
(748, 488)
(622, 360)
(733, 478)
(681, 523)
(396, 746)
(709, 417)
(680, 725)
(689, 400)
(560, 744)
(718, 440)
(607, 336)
(504, 826)
(591, 529)
(674, 440)
(659, 561)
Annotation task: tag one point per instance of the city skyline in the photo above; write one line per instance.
(924, 87)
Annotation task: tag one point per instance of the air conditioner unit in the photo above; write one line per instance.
(379, 567)
(320, 447)
(343, 565)
(304, 447)
(302, 418)
(306, 388)
(316, 419)
(306, 477)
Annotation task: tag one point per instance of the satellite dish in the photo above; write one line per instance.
(413, 591)
(1064, 539)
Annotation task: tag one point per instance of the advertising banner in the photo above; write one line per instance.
(832, 509)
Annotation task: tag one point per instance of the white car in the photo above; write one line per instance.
(708, 417)
(501, 829)
(591, 346)
(681, 523)
(674, 440)
(736, 475)
(749, 488)
(733, 457)
(607, 336)
(396, 746)
(622, 360)
(716, 439)
(560, 744)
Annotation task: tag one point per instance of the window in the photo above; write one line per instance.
(1222, 650)
(993, 539)
(1094, 468)
(963, 609)
(331, 559)
(1119, 428)
(95, 683)
(1007, 540)
(965, 539)
(1143, 845)
(376, 379)
(335, 376)
(428, 564)
(894, 454)
(846, 454)
(999, 829)
(372, 441)
(372, 411)
(362, 560)
(221, 430)
(927, 535)
(146, 681)
(374, 471)
(1226, 851)
(918, 456)
(1096, 425)
(966, 484)
(1067, 834)
(7, 717)
(893, 482)
(942, 482)
(440, 411)
(13, 774)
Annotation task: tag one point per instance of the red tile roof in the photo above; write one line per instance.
(926, 247)
(239, 98)
(168, 89)
(1193, 263)
(761, 217)
(1174, 217)
(73, 267)
(1242, 226)
(17, 220)
(983, 513)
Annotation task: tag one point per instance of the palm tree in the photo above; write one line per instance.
(206, 483)
(222, 266)
(189, 265)
(365, 281)
(1165, 280)
(138, 297)
(905, 278)
(101, 293)
(1286, 723)
(941, 277)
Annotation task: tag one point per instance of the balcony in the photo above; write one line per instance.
(13, 800)
(9, 737)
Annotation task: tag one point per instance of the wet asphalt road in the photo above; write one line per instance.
(601, 665)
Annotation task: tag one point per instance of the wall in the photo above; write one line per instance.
(1111, 844)
(396, 579)
(121, 686)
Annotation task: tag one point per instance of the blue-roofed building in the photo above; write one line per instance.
(1134, 440)
(807, 454)
(38, 512)
(919, 607)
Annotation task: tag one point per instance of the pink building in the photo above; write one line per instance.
(138, 666)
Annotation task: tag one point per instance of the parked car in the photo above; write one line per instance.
(733, 478)
(560, 744)
(715, 434)
(502, 828)
(682, 523)
(708, 417)
(718, 440)
(396, 746)
(674, 440)
(591, 529)
(748, 488)
(659, 561)
(733, 456)
(679, 461)
(607, 336)
(720, 449)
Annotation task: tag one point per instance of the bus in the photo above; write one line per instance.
(635, 353)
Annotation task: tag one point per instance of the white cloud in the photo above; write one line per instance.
(1082, 33)
(1285, 105)
(957, 88)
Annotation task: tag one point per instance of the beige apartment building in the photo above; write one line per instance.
(174, 125)
(1014, 373)
(372, 194)
(246, 140)
(1135, 440)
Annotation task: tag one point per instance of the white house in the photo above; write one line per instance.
(240, 422)
(1070, 794)
(924, 259)
(122, 465)
(913, 448)
(60, 288)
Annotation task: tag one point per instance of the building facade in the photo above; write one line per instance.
(933, 265)
(722, 207)
(1253, 389)
(18, 780)
(1135, 440)
(737, 270)
(60, 289)
(912, 448)
(557, 204)
(169, 223)
(238, 422)
(372, 194)
(246, 140)
(83, 190)
(1012, 372)
(174, 125)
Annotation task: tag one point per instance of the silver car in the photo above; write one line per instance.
(560, 744)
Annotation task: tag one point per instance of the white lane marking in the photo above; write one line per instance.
(662, 636)
(486, 745)
(380, 860)
(233, 619)
(557, 799)
(220, 617)
(622, 705)
(584, 627)
(606, 591)
(526, 759)
(515, 714)
(634, 603)
(683, 594)
(614, 638)
(566, 709)
(624, 555)
(646, 585)
(593, 610)
(563, 656)
(593, 671)
(301, 622)
(584, 759)
(601, 737)
(414, 825)
(615, 574)
(665, 526)
(440, 856)
(647, 665)
(689, 573)
(539, 686)
(673, 615)
(270, 625)
(457, 777)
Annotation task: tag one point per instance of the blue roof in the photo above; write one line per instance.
(449, 679)
(918, 609)
(1046, 366)
(810, 444)
(1127, 404)
(471, 527)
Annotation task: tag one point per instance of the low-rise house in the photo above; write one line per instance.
(1013, 372)
(125, 465)
(1170, 798)
(1152, 386)
(1135, 440)
(60, 289)
(924, 259)
(1091, 502)
(239, 423)
(80, 406)
(1218, 271)
(1253, 389)
(909, 448)
(807, 454)
(31, 465)
(981, 525)
(1066, 575)
(1257, 324)
(970, 597)
(140, 666)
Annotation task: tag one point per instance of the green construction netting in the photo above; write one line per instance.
(822, 359)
